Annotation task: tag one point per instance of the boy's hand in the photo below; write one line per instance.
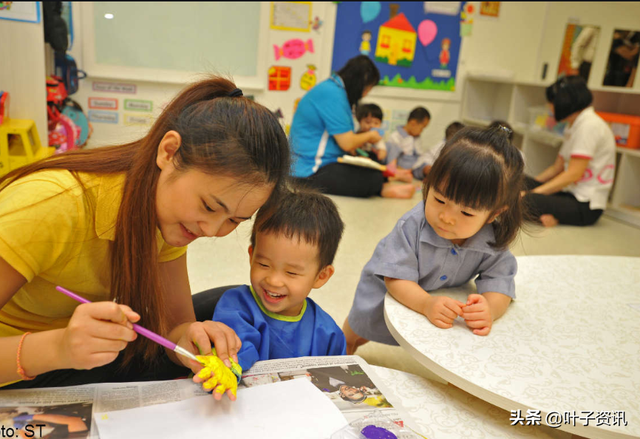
(442, 311)
(204, 336)
(218, 378)
(477, 314)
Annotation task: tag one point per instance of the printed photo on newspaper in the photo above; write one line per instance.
(348, 381)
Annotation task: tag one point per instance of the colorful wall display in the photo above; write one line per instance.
(466, 20)
(138, 120)
(396, 42)
(138, 105)
(112, 87)
(103, 103)
(308, 78)
(20, 11)
(294, 16)
(98, 116)
(490, 9)
(279, 78)
(412, 46)
(293, 49)
(316, 24)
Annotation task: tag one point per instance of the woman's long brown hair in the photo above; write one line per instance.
(221, 135)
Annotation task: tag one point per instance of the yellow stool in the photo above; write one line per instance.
(20, 144)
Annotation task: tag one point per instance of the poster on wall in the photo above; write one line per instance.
(293, 16)
(623, 59)
(411, 47)
(20, 11)
(490, 9)
(578, 50)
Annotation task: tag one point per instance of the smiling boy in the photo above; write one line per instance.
(293, 243)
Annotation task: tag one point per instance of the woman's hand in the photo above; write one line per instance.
(95, 335)
(374, 136)
(198, 337)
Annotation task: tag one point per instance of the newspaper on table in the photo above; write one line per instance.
(347, 381)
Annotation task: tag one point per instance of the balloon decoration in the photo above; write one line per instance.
(369, 11)
(427, 31)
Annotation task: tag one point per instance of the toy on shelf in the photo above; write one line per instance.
(540, 119)
(68, 125)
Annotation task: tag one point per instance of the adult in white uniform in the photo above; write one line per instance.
(574, 190)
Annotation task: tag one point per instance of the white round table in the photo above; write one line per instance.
(445, 412)
(570, 342)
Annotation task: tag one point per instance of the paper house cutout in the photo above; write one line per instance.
(396, 42)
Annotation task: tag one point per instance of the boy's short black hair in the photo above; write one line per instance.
(419, 114)
(304, 213)
(568, 95)
(503, 124)
(452, 128)
(365, 110)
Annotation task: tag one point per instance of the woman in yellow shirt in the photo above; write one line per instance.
(112, 224)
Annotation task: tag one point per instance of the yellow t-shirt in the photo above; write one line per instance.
(54, 233)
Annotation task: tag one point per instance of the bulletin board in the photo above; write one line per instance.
(413, 45)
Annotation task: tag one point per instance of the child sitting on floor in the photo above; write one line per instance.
(370, 118)
(427, 159)
(404, 143)
(471, 211)
(293, 243)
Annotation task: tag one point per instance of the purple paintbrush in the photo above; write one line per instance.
(140, 330)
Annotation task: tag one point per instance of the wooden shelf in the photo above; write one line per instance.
(486, 98)
(476, 122)
(546, 137)
(627, 214)
(628, 151)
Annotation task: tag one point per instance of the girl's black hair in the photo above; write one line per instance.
(358, 73)
(480, 169)
(568, 95)
(504, 125)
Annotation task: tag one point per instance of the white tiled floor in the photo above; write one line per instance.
(224, 261)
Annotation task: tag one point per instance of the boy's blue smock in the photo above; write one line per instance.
(267, 336)
(322, 113)
(414, 251)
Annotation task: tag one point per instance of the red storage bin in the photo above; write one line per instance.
(626, 128)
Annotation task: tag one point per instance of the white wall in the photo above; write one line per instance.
(22, 67)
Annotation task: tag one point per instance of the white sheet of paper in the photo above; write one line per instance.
(288, 409)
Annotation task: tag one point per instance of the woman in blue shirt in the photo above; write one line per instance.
(323, 130)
